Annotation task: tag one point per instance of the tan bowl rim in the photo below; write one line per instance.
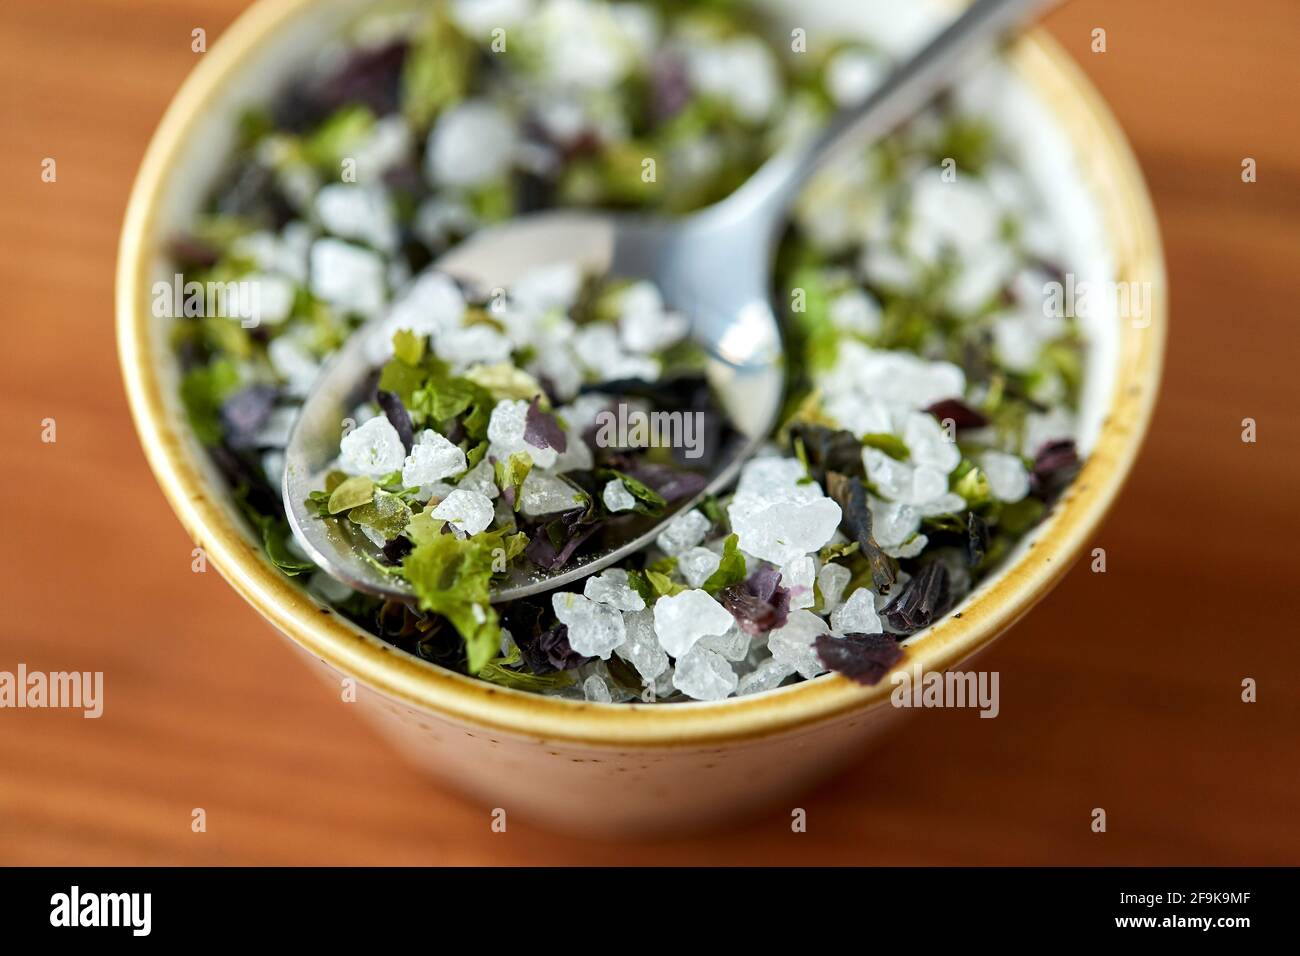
(172, 455)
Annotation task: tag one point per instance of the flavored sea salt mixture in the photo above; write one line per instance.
(471, 468)
(913, 304)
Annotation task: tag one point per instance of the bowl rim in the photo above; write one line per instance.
(1105, 158)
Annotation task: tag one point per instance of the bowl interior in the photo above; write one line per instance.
(1058, 133)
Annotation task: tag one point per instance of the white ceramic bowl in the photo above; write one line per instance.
(602, 768)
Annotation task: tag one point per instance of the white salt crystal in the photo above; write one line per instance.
(851, 75)
(549, 287)
(792, 644)
(505, 434)
(274, 302)
(704, 675)
(776, 478)
(432, 458)
(798, 576)
(348, 277)
(862, 416)
(899, 377)
(892, 522)
(741, 72)
(641, 648)
(682, 619)
(275, 431)
(435, 491)
(373, 448)
(296, 366)
(832, 579)
(363, 213)
(611, 587)
(855, 311)
(683, 532)
(733, 644)
(780, 531)
(576, 455)
(595, 689)
(644, 325)
(697, 565)
(617, 497)
(328, 587)
(472, 144)
(1008, 478)
(857, 615)
(908, 549)
(945, 504)
(544, 494)
(929, 443)
(768, 675)
(480, 478)
(387, 146)
(461, 348)
(594, 629)
(468, 512)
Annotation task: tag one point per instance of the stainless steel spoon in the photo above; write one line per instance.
(714, 267)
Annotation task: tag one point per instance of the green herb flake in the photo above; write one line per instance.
(648, 501)
(386, 514)
(891, 445)
(663, 585)
(731, 570)
(451, 576)
(501, 671)
(351, 493)
(203, 389)
(512, 472)
(436, 73)
(974, 487)
(408, 347)
(338, 137)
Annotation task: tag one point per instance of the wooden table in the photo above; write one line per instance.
(1122, 691)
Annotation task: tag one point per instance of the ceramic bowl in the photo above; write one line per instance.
(627, 769)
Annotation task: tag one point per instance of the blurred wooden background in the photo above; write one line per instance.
(1121, 691)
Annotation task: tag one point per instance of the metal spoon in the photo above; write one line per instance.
(714, 267)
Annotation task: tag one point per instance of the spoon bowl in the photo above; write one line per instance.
(730, 319)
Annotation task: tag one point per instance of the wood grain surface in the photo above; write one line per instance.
(1121, 691)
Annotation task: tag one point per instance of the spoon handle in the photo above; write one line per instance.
(907, 89)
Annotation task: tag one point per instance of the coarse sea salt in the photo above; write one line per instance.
(545, 494)
(594, 630)
(1007, 475)
(832, 579)
(682, 619)
(683, 532)
(480, 478)
(798, 577)
(505, 433)
(596, 690)
(348, 276)
(697, 565)
(768, 675)
(857, 615)
(792, 643)
(781, 530)
(432, 458)
(471, 144)
(704, 675)
(611, 587)
(641, 648)
(372, 449)
(617, 497)
(468, 512)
